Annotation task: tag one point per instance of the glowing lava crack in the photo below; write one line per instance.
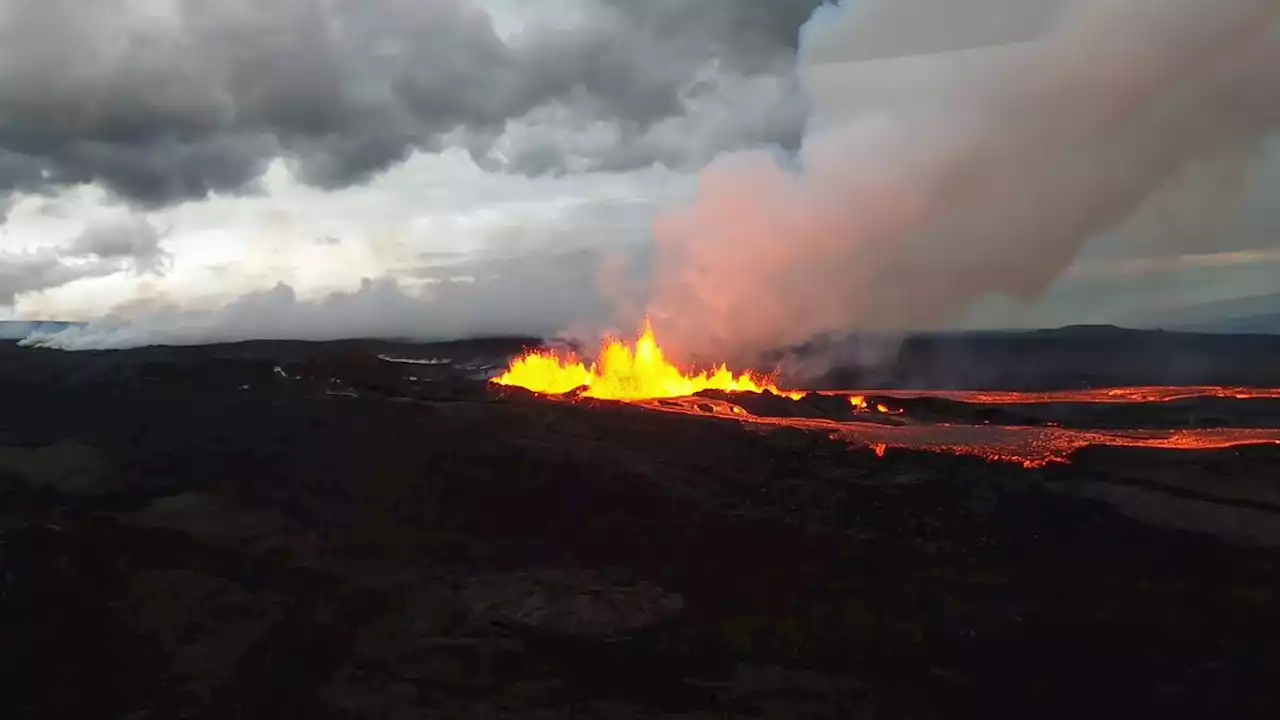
(628, 372)
(640, 374)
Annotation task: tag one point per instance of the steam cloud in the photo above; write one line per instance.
(950, 160)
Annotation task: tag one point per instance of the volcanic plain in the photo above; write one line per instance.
(1035, 525)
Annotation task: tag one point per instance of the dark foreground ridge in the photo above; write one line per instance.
(331, 531)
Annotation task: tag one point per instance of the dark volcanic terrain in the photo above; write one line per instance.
(370, 530)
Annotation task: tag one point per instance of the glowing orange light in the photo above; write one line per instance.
(637, 371)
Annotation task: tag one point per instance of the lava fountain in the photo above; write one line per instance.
(638, 372)
(629, 371)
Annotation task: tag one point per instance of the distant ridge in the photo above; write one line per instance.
(1251, 315)
(1086, 330)
(1257, 324)
(1260, 324)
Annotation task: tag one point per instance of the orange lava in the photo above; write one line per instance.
(861, 404)
(1109, 396)
(639, 373)
(1029, 446)
(622, 371)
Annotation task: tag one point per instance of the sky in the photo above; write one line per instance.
(324, 168)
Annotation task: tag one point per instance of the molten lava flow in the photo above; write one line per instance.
(623, 372)
(1029, 446)
(639, 372)
(1107, 396)
(860, 404)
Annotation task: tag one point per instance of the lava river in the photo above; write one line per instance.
(1028, 445)
(638, 373)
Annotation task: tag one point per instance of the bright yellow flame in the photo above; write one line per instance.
(628, 372)
(860, 404)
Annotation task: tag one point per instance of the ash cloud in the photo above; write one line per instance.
(949, 161)
(162, 101)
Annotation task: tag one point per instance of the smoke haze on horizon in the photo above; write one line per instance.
(906, 165)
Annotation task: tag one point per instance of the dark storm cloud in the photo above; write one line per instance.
(749, 31)
(165, 100)
(136, 241)
(24, 273)
(100, 250)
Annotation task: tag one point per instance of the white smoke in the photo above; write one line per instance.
(958, 150)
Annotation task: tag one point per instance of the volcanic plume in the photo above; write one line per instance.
(942, 166)
(639, 373)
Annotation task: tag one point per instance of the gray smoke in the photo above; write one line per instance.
(954, 154)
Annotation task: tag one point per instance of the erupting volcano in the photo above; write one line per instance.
(637, 371)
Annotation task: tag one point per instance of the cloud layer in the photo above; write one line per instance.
(489, 165)
(537, 297)
(168, 100)
(132, 245)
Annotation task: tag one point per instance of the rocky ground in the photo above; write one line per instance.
(327, 531)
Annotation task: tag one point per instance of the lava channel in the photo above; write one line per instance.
(1026, 445)
(639, 373)
(1093, 396)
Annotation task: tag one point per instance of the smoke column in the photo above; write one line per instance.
(958, 150)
